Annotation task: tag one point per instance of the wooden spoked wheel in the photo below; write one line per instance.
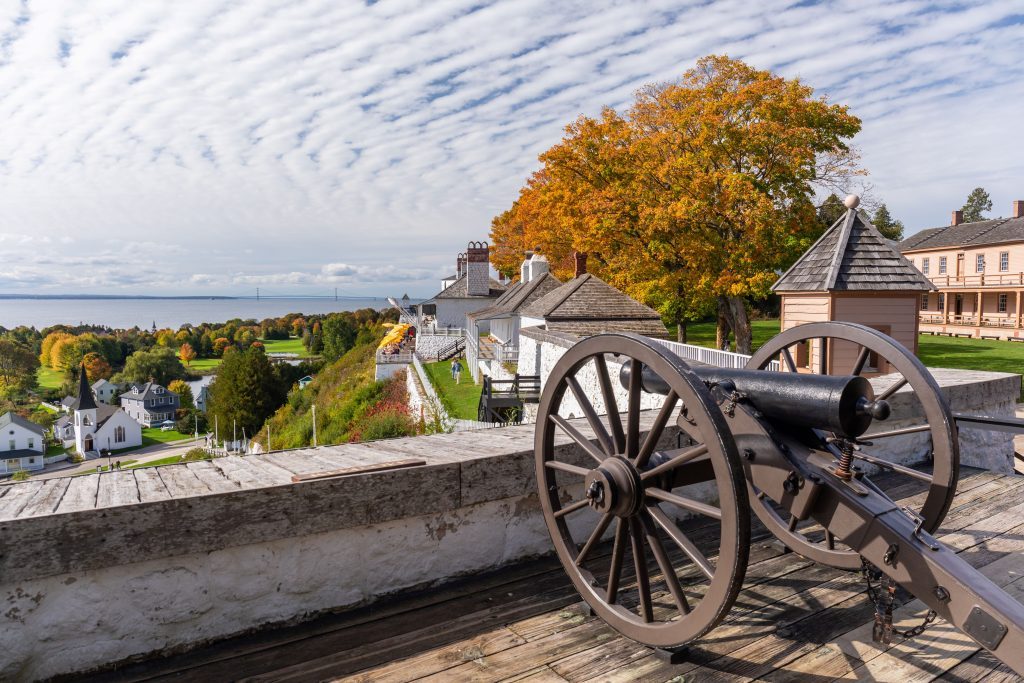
(614, 476)
(841, 348)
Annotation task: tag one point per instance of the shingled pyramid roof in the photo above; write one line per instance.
(852, 256)
(587, 305)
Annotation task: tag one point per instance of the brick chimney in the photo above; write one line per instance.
(579, 261)
(958, 218)
(477, 267)
(460, 266)
(1018, 208)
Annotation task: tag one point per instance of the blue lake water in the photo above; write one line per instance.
(172, 313)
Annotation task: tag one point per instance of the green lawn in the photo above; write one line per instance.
(703, 334)
(52, 450)
(460, 400)
(153, 435)
(50, 378)
(162, 461)
(293, 345)
(204, 366)
(934, 352)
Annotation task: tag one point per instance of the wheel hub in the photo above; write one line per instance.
(615, 487)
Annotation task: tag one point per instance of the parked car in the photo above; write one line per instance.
(167, 426)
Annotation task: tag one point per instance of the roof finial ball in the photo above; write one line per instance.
(852, 201)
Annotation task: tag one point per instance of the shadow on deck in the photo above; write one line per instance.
(794, 620)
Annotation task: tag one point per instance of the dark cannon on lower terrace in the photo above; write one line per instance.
(796, 448)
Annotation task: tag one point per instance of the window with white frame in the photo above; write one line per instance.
(979, 263)
(942, 265)
(1002, 303)
(924, 302)
(1004, 261)
(925, 262)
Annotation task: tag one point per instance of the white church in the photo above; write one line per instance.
(101, 427)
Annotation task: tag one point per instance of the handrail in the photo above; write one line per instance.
(709, 356)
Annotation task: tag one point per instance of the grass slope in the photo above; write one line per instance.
(50, 378)
(460, 400)
(293, 345)
(350, 404)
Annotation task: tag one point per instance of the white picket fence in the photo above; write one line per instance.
(716, 357)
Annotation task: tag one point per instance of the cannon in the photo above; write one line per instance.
(791, 445)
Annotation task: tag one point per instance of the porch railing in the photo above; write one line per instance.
(403, 357)
(978, 280)
(506, 354)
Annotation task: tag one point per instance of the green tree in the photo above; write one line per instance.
(184, 392)
(159, 364)
(339, 335)
(887, 225)
(246, 392)
(978, 202)
(830, 210)
(18, 366)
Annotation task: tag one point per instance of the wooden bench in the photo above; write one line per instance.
(990, 336)
(967, 335)
(1015, 339)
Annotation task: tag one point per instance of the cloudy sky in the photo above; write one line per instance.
(213, 146)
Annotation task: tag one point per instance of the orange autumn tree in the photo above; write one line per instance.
(187, 353)
(695, 198)
(96, 367)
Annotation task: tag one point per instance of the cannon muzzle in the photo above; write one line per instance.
(842, 404)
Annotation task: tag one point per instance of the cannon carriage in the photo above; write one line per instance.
(797, 447)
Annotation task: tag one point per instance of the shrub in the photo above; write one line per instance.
(194, 454)
(20, 475)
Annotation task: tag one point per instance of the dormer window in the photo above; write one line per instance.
(135, 390)
(159, 390)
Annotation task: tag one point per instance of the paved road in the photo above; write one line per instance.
(147, 454)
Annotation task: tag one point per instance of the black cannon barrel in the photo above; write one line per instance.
(842, 404)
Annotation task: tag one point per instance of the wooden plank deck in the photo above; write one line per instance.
(793, 621)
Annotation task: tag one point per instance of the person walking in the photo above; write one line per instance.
(455, 363)
(457, 368)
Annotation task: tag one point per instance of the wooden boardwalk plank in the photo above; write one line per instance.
(212, 477)
(532, 628)
(151, 486)
(45, 499)
(16, 497)
(117, 488)
(244, 473)
(278, 473)
(181, 481)
(81, 493)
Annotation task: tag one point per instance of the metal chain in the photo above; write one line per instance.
(885, 603)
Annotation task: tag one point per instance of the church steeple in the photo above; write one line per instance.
(85, 398)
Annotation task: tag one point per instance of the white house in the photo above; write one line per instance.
(105, 391)
(501, 320)
(101, 427)
(472, 289)
(22, 444)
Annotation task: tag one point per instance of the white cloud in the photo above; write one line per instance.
(192, 147)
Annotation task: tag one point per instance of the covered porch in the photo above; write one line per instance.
(980, 313)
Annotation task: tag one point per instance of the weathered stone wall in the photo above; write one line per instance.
(90, 588)
(540, 350)
(77, 621)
